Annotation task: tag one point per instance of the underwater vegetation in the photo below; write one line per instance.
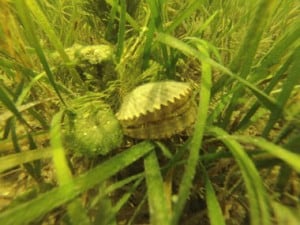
(149, 112)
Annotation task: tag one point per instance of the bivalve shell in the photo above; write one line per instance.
(157, 110)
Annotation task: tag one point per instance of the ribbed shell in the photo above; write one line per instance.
(152, 97)
(164, 128)
(157, 110)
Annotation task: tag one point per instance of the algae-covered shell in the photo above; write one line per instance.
(157, 110)
(92, 129)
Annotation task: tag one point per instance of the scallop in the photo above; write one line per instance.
(157, 110)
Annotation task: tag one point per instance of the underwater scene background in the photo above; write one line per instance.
(149, 112)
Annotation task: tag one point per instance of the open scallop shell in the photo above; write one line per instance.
(157, 110)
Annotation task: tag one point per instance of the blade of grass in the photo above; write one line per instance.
(149, 41)
(289, 127)
(12, 160)
(43, 22)
(76, 212)
(125, 198)
(9, 104)
(188, 50)
(158, 208)
(284, 214)
(289, 83)
(156, 23)
(278, 50)
(129, 19)
(243, 61)
(286, 171)
(272, 58)
(275, 80)
(30, 167)
(64, 175)
(70, 33)
(257, 195)
(285, 155)
(207, 23)
(27, 22)
(157, 13)
(137, 210)
(195, 145)
(184, 13)
(23, 108)
(27, 88)
(121, 31)
(138, 178)
(63, 194)
(39, 117)
(109, 33)
(105, 214)
(214, 209)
